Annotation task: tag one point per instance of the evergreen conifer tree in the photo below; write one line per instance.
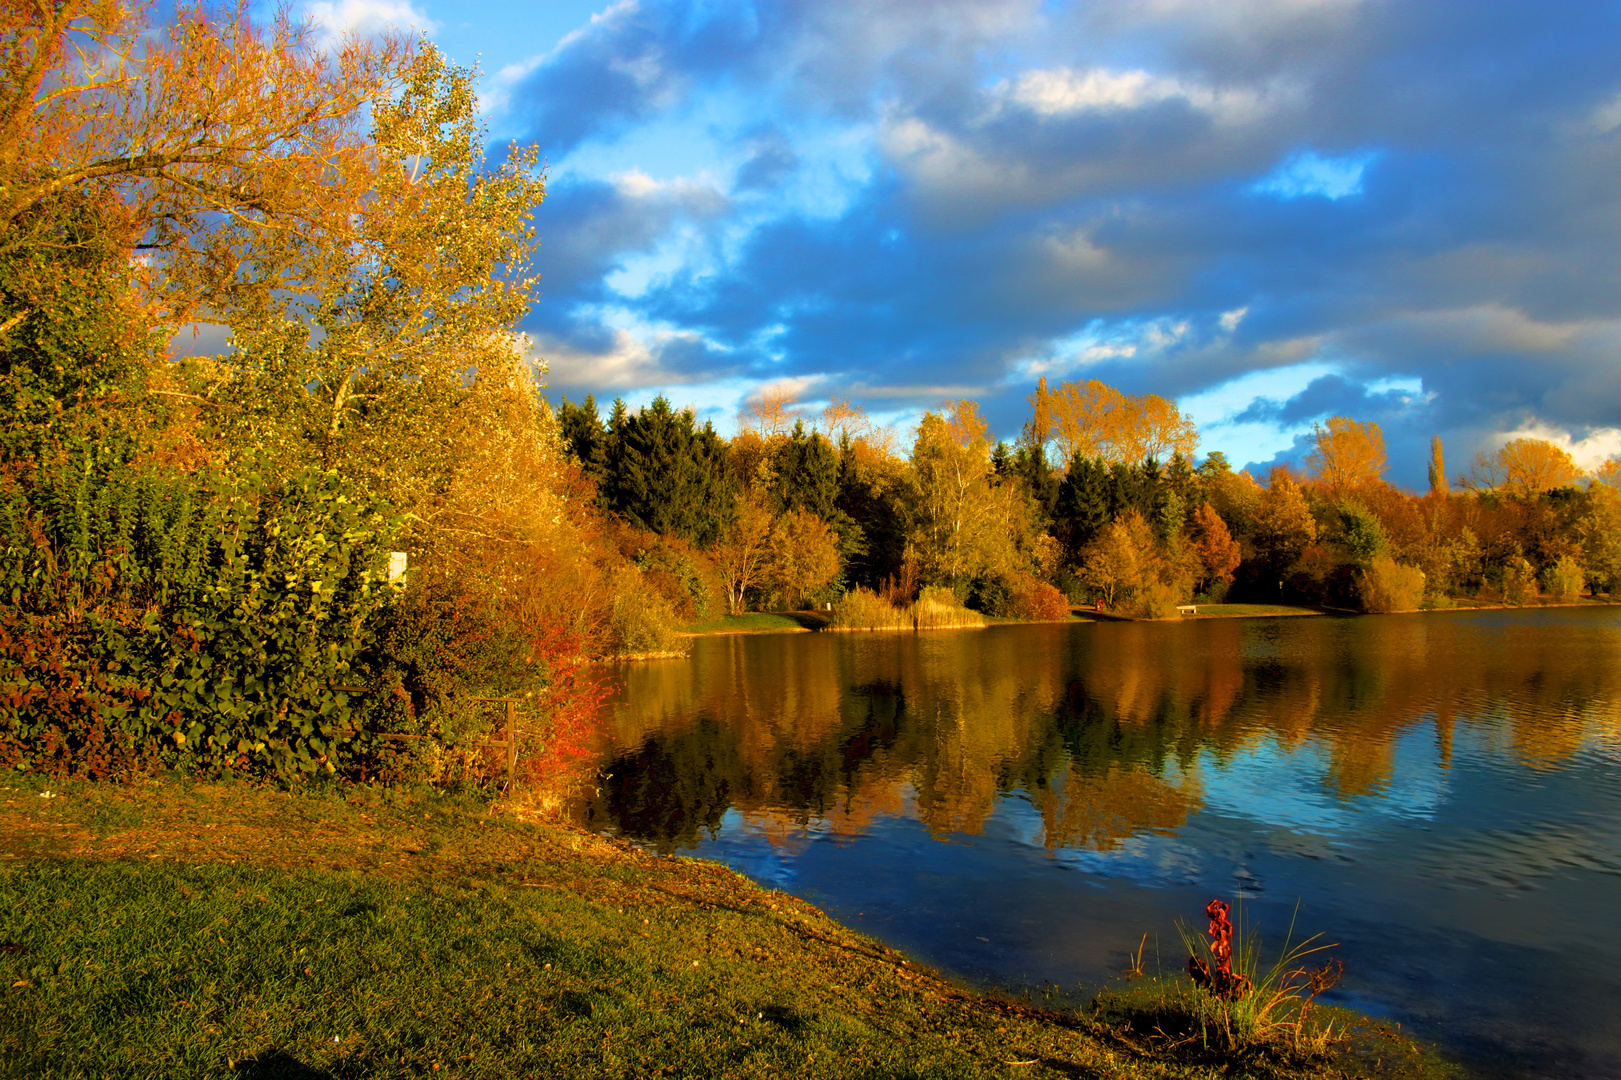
(1084, 504)
(666, 474)
(584, 435)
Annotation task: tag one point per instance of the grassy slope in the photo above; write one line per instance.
(1246, 611)
(758, 622)
(191, 931)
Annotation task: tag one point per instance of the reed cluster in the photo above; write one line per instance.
(934, 609)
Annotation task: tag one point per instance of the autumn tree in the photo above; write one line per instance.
(1128, 564)
(1283, 521)
(772, 410)
(1232, 495)
(1527, 467)
(238, 154)
(1346, 453)
(744, 555)
(804, 555)
(1097, 420)
(1112, 563)
(952, 472)
(1438, 468)
(414, 341)
(1600, 534)
(1217, 551)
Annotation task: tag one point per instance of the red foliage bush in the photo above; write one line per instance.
(1038, 601)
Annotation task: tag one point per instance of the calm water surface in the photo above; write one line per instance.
(1017, 806)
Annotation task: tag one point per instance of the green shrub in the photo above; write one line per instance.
(685, 578)
(1564, 579)
(992, 594)
(1519, 582)
(209, 620)
(1387, 585)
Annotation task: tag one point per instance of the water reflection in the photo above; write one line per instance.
(1109, 731)
(1019, 805)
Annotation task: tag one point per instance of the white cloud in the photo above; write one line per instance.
(1060, 92)
(1607, 117)
(1230, 319)
(629, 363)
(367, 18)
(1056, 93)
(1099, 341)
(496, 97)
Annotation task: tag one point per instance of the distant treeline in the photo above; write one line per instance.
(799, 509)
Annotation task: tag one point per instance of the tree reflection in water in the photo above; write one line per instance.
(1104, 729)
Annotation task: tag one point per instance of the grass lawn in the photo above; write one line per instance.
(1245, 611)
(179, 930)
(761, 622)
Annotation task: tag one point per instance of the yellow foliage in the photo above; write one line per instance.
(1347, 453)
(1391, 586)
(1525, 467)
(1099, 421)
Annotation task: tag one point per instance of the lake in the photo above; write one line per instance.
(1017, 806)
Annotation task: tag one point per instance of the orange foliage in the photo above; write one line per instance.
(1530, 466)
(230, 146)
(1099, 421)
(1217, 550)
(1348, 454)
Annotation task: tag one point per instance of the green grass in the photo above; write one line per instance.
(1165, 1015)
(1244, 611)
(190, 930)
(758, 622)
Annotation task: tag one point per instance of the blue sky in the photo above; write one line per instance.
(1271, 211)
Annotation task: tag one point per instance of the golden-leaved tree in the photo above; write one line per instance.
(398, 362)
(1525, 467)
(962, 521)
(1347, 453)
(237, 153)
(1099, 421)
(1283, 522)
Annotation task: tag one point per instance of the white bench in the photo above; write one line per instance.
(1187, 609)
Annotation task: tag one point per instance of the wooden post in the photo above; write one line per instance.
(512, 744)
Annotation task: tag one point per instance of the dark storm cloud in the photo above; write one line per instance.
(1037, 172)
(1329, 395)
(631, 64)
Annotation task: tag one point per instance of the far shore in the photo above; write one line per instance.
(806, 622)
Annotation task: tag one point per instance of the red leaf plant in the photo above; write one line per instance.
(1219, 981)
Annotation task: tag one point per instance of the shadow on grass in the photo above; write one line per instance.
(279, 1065)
